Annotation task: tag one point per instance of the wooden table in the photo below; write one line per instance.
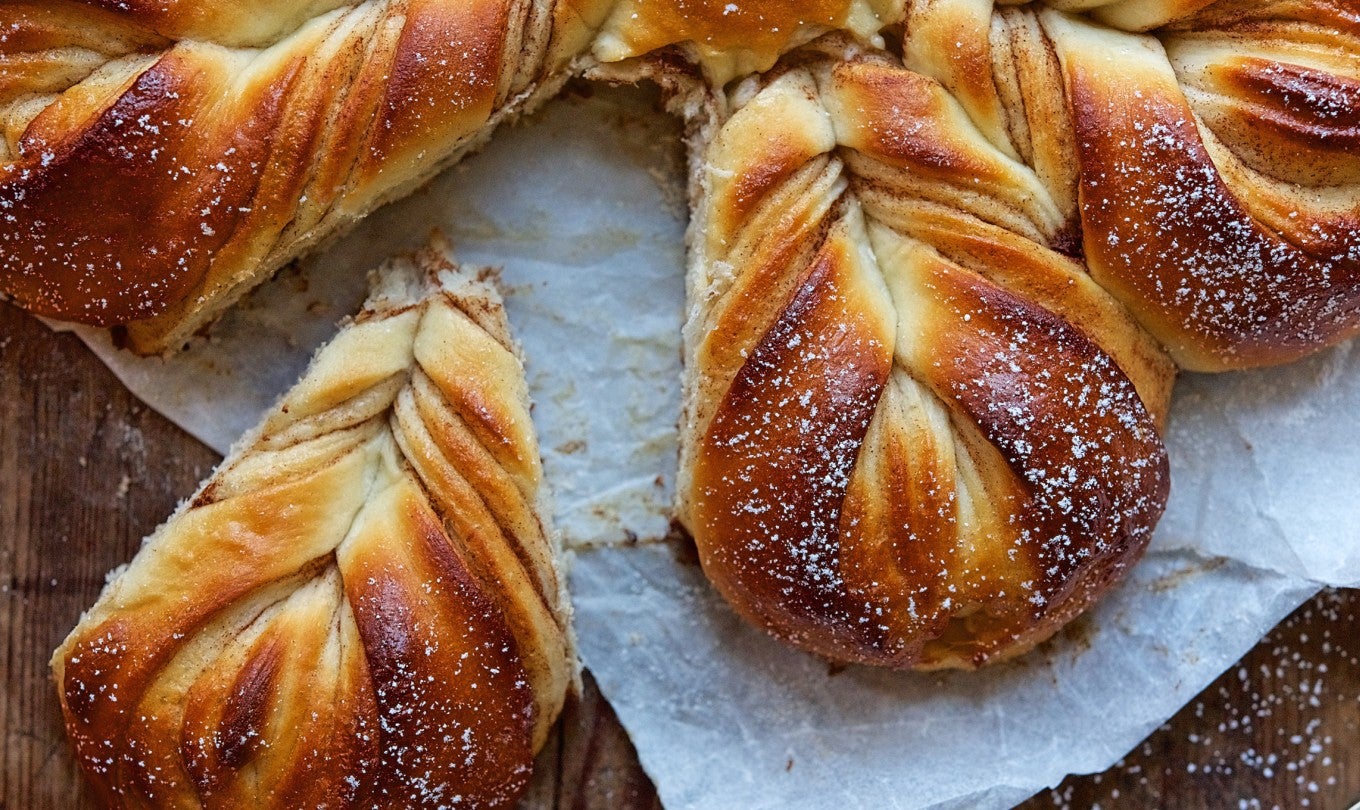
(86, 471)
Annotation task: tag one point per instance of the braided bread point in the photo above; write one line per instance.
(918, 435)
(938, 292)
(361, 606)
(190, 152)
(1212, 168)
(938, 303)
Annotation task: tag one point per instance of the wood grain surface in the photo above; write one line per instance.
(86, 471)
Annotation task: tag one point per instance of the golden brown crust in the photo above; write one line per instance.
(727, 39)
(917, 431)
(86, 197)
(154, 192)
(347, 614)
(1090, 192)
(251, 23)
(119, 115)
(943, 475)
(769, 475)
(1166, 234)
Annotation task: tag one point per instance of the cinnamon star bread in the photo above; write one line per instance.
(946, 255)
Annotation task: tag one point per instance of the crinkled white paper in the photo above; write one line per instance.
(583, 208)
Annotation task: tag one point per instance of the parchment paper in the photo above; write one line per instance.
(583, 208)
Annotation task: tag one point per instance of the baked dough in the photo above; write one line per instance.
(918, 435)
(162, 160)
(947, 254)
(938, 302)
(361, 606)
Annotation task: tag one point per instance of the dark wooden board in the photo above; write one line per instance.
(86, 471)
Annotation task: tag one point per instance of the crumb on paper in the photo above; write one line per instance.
(1178, 578)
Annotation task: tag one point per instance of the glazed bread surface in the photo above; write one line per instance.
(158, 161)
(918, 433)
(362, 606)
(946, 255)
(162, 160)
(938, 301)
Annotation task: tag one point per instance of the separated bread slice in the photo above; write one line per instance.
(363, 605)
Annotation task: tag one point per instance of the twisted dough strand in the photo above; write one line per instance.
(937, 301)
(360, 606)
(948, 253)
(904, 461)
(168, 183)
(1218, 190)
